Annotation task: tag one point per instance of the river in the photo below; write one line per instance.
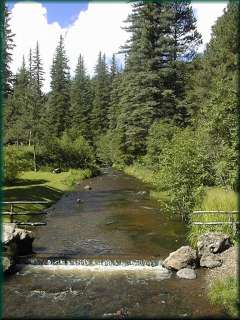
(104, 253)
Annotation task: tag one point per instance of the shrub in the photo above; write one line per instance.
(186, 165)
(109, 149)
(67, 152)
(16, 159)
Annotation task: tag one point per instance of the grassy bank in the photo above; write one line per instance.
(42, 186)
(225, 293)
(215, 199)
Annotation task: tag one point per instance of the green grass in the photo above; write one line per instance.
(141, 173)
(41, 186)
(216, 199)
(225, 293)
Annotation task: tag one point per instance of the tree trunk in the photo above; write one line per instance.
(30, 135)
(34, 158)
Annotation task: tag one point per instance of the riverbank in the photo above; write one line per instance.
(221, 282)
(43, 186)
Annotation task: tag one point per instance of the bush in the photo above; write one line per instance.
(67, 152)
(16, 159)
(186, 165)
(109, 149)
(160, 134)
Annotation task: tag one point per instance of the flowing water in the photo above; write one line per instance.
(102, 255)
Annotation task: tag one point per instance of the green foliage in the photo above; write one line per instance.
(163, 35)
(81, 101)
(225, 293)
(160, 134)
(109, 149)
(185, 166)
(66, 152)
(57, 113)
(16, 160)
(101, 101)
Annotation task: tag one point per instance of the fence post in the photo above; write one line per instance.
(11, 212)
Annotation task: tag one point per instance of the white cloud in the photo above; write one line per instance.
(207, 14)
(29, 23)
(97, 28)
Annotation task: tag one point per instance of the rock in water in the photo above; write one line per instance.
(88, 187)
(79, 201)
(15, 240)
(210, 260)
(181, 258)
(212, 242)
(187, 273)
(7, 263)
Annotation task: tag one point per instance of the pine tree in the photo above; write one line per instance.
(17, 109)
(37, 71)
(154, 78)
(81, 100)
(59, 101)
(8, 47)
(99, 116)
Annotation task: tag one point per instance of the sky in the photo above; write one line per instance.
(87, 28)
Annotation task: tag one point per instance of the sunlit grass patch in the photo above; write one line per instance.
(41, 186)
(145, 175)
(216, 199)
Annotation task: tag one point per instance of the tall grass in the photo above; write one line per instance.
(224, 292)
(144, 174)
(216, 199)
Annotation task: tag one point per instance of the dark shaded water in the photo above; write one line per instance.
(105, 254)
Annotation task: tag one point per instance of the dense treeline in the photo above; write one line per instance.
(169, 110)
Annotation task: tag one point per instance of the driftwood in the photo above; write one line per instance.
(34, 224)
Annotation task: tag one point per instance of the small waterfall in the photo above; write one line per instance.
(103, 264)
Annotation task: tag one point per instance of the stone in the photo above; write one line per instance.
(212, 242)
(57, 170)
(79, 201)
(187, 273)
(88, 187)
(142, 192)
(7, 263)
(210, 261)
(16, 241)
(181, 258)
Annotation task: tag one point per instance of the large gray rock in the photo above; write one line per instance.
(181, 258)
(15, 240)
(187, 273)
(210, 260)
(212, 242)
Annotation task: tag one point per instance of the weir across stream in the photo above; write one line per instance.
(103, 254)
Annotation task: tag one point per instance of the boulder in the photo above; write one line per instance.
(57, 170)
(15, 240)
(210, 260)
(187, 273)
(7, 263)
(88, 187)
(212, 242)
(181, 258)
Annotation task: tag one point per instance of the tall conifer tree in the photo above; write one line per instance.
(81, 100)
(59, 100)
